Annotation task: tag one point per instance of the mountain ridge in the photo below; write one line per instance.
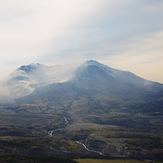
(99, 110)
(93, 78)
(25, 79)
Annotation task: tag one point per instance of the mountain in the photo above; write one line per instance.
(97, 111)
(94, 80)
(25, 79)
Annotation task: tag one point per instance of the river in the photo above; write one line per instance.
(66, 121)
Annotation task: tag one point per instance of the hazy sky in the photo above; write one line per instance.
(125, 34)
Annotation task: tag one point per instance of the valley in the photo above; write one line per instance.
(36, 130)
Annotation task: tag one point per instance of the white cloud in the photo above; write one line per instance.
(52, 30)
(27, 28)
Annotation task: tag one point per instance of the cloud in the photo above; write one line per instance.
(28, 28)
(113, 25)
(4, 93)
(75, 30)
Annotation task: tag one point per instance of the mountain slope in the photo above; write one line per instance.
(24, 80)
(93, 79)
(111, 112)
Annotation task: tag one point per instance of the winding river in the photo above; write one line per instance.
(51, 132)
(66, 121)
(89, 150)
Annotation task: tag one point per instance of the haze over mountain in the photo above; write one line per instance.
(118, 33)
(80, 79)
(95, 111)
(93, 79)
(25, 79)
